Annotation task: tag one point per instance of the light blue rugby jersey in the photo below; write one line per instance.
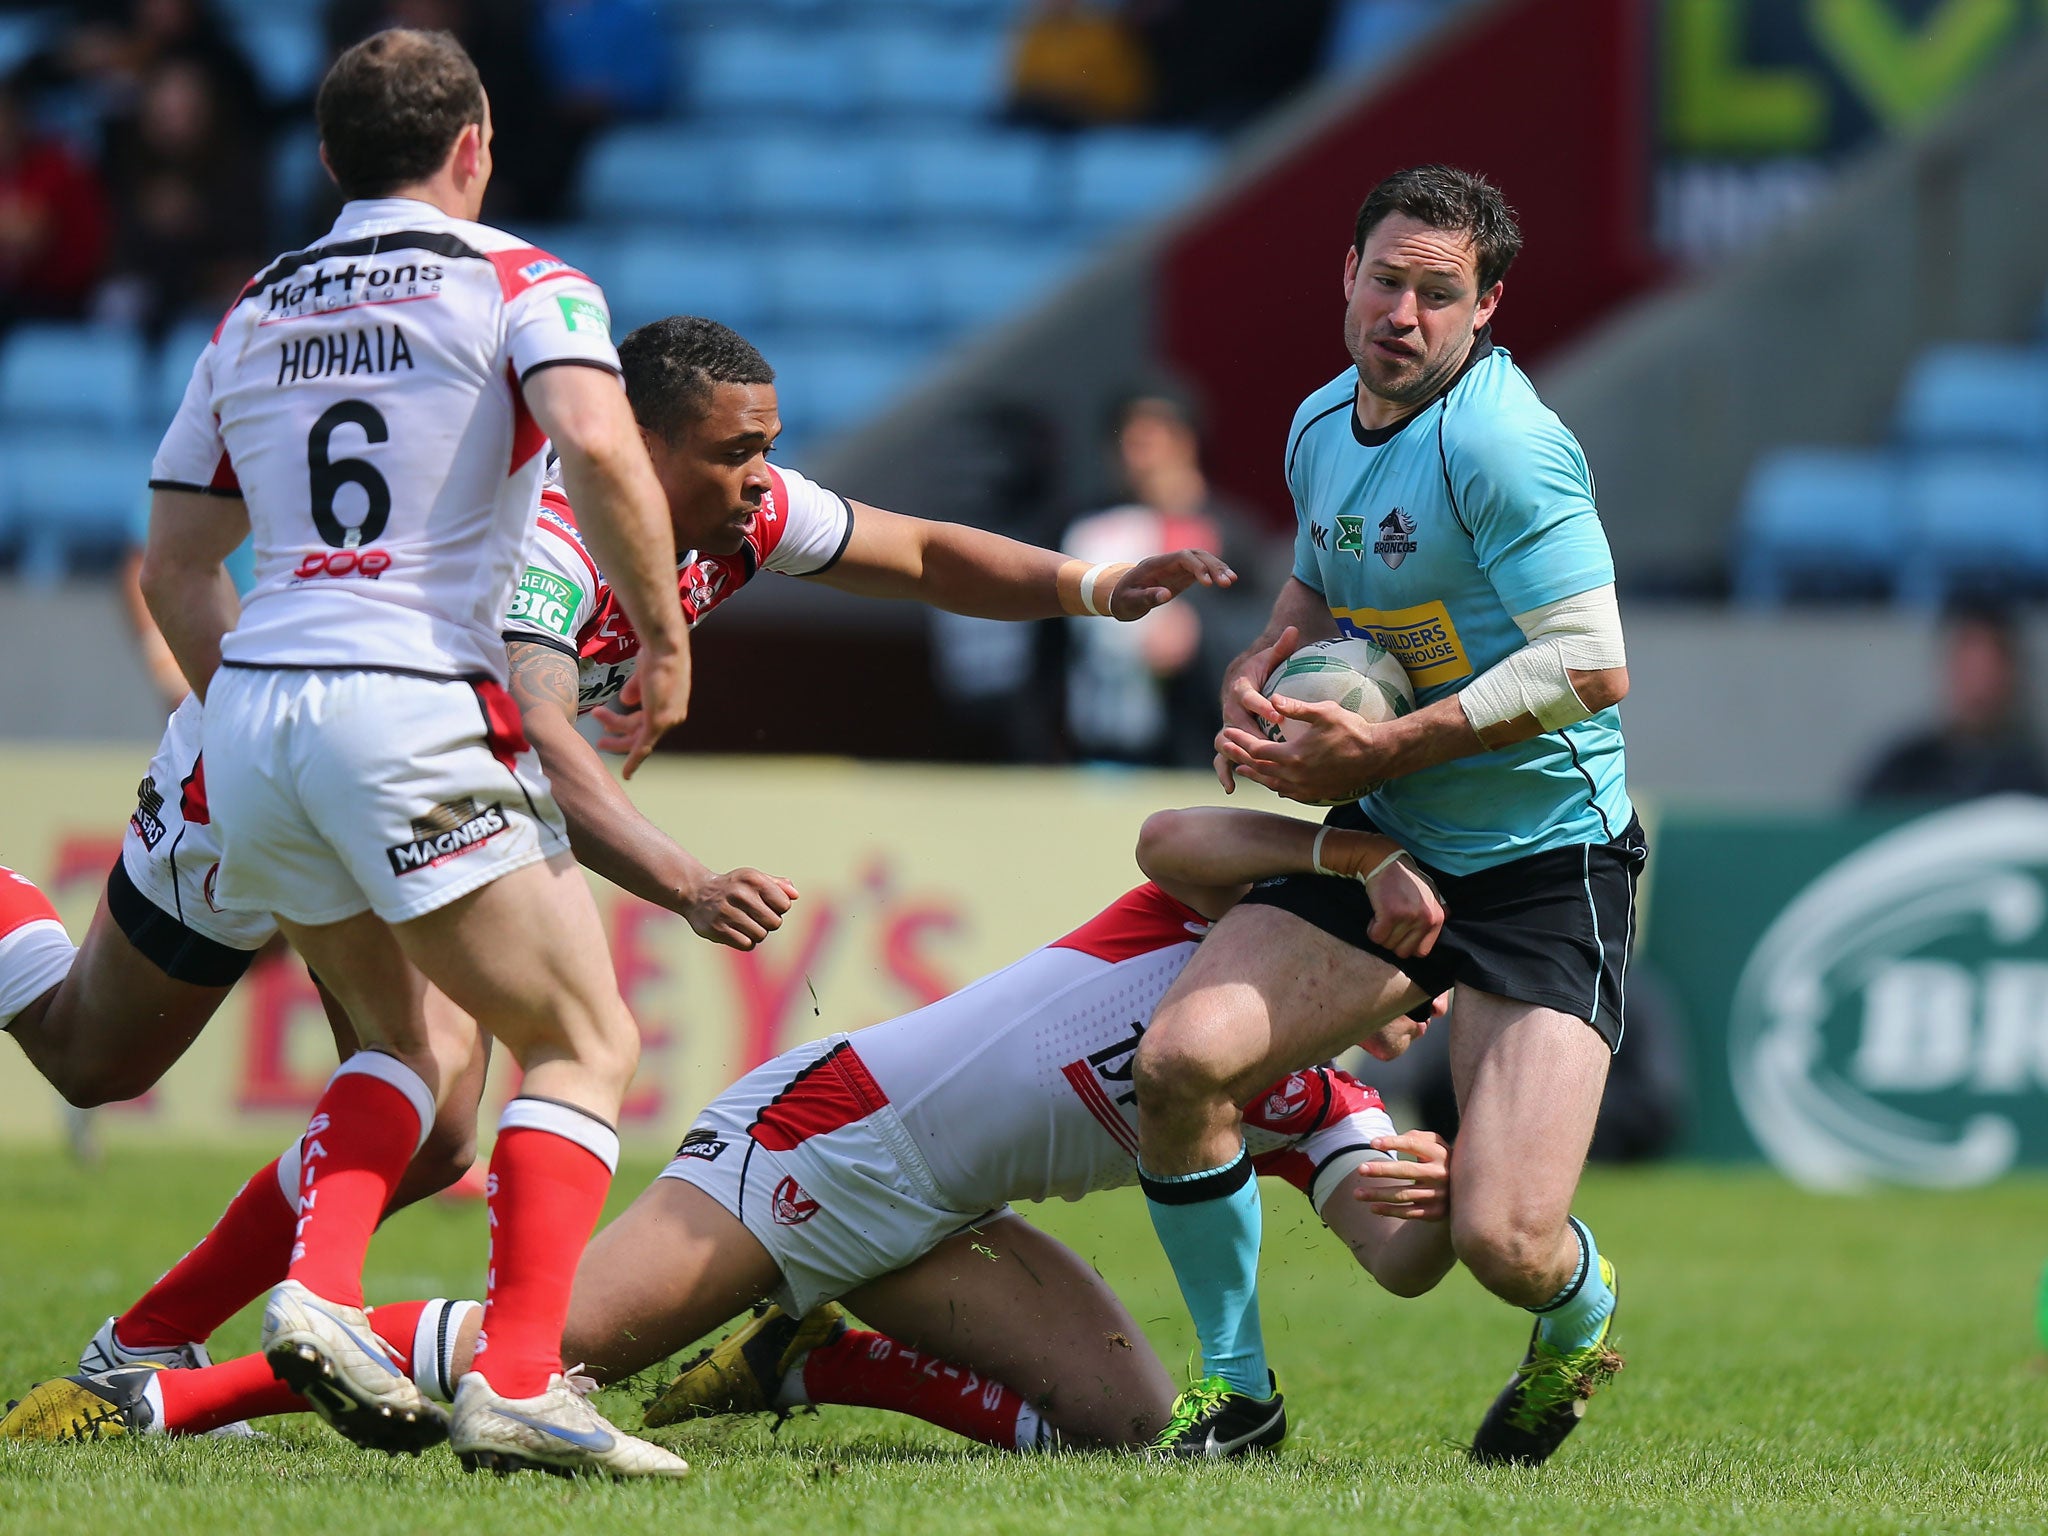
(1428, 537)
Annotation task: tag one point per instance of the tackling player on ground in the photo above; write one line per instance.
(1445, 512)
(878, 1166)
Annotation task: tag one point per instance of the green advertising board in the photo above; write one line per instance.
(1866, 996)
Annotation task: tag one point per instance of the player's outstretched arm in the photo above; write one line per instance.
(1208, 857)
(623, 516)
(608, 833)
(971, 571)
(1395, 1216)
(189, 595)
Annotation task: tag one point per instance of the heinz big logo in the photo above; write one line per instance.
(1891, 1022)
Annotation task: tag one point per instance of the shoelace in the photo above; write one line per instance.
(1193, 1405)
(1549, 1380)
(578, 1381)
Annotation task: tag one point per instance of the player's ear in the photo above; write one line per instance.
(1350, 271)
(328, 165)
(1489, 301)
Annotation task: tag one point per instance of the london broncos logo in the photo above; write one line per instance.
(446, 832)
(1397, 538)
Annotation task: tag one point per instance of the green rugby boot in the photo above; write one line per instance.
(1546, 1397)
(1212, 1420)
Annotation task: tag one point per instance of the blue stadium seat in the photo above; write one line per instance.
(90, 375)
(794, 71)
(653, 274)
(1127, 174)
(297, 182)
(975, 281)
(172, 371)
(1974, 520)
(1365, 31)
(933, 71)
(656, 173)
(67, 491)
(795, 177)
(1993, 396)
(1827, 517)
(589, 248)
(287, 49)
(955, 176)
(867, 283)
(825, 387)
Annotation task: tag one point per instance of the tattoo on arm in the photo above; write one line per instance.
(541, 676)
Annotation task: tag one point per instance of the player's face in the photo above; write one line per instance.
(716, 471)
(1412, 304)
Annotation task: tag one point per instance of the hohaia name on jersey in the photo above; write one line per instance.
(343, 354)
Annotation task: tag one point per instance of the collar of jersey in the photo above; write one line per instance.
(1379, 437)
(398, 212)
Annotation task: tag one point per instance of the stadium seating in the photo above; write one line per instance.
(67, 492)
(1993, 396)
(88, 375)
(1818, 518)
(1974, 521)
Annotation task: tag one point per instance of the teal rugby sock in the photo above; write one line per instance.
(1210, 1224)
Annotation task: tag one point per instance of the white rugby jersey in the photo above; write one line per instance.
(564, 601)
(1018, 1087)
(363, 396)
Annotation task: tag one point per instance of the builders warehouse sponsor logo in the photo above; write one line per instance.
(1892, 1022)
(447, 832)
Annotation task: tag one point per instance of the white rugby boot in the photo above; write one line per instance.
(556, 1432)
(106, 1353)
(331, 1356)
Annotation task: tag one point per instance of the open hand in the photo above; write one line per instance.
(1161, 578)
(1413, 1191)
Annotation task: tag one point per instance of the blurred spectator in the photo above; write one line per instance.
(53, 222)
(533, 157)
(1146, 692)
(996, 469)
(1986, 746)
(1220, 63)
(189, 191)
(114, 47)
(1077, 65)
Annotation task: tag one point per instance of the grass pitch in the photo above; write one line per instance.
(1795, 1364)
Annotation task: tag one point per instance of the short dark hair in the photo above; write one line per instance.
(391, 108)
(1446, 198)
(670, 366)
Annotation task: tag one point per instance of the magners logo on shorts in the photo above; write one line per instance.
(446, 832)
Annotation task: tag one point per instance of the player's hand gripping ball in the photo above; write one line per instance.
(1359, 676)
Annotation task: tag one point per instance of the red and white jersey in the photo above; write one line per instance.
(564, 601)
(364, 397)
(1018, 1087)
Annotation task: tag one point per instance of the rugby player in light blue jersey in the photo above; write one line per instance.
(1446, 513)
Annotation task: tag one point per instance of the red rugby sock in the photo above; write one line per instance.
(367, 1127)
(241, 1258)
(550, 1172)
(871, 1370)
(197, 1401)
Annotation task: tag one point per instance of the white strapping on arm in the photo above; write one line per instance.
(1581, 633)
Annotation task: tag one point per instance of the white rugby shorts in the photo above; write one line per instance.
(170, 851)
(808, 1153)
(333, 792)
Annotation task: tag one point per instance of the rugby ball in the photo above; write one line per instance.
(1356, 675)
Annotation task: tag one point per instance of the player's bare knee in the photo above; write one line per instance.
(1512, 1257)
(1175, 1073)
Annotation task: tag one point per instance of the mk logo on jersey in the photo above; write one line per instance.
(547, 600)
(1351, 536)
(1319, 535)
(1397, 538)
(447, 832)
(148, 818)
